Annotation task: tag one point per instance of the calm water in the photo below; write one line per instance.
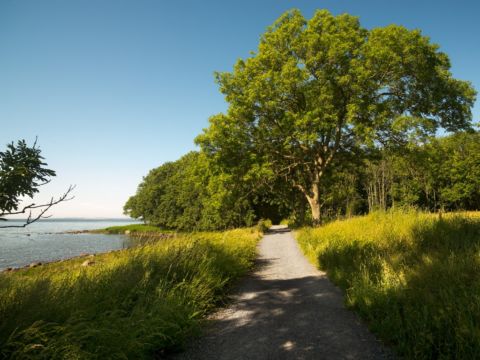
(45, 241)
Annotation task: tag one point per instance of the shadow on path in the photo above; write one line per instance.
(278, 230)
(278, 313)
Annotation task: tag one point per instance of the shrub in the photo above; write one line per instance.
(264, 224)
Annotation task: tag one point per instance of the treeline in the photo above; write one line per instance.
(197, 193)
(194, 193)
(441, 174)
(188, 194)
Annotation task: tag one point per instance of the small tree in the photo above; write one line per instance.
(319, 87)
(22, 172)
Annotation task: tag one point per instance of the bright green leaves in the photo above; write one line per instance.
(326, 85)
(22, 171)
(192, 194)
(458, 170)
(303, 109)
(411, 77)
(443, 173)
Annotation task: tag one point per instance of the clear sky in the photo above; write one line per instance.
(115, 88)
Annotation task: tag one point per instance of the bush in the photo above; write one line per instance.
(412, 276)
(264, 224)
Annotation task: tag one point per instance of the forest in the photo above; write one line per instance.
(192, 193)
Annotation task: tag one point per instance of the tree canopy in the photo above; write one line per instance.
(192, 193)
(326, 115)
(326, 86)
(187, 195)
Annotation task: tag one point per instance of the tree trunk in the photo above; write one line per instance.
(314, 201)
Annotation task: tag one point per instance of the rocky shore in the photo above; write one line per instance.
(89, 257)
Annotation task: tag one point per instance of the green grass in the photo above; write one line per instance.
(133, 228)
(413, 277)
(134, 303)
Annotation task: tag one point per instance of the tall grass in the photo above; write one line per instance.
(134, 303)
(414, 277)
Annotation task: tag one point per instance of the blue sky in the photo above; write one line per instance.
(115, 88)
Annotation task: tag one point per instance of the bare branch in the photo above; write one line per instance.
(41, 215)
(300, 187)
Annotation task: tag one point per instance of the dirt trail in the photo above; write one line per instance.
(286, 309)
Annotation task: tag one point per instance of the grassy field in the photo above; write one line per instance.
(414, 277)
(134, 303)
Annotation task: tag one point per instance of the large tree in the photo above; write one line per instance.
(326, 86)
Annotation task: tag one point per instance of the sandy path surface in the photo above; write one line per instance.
(286, 309)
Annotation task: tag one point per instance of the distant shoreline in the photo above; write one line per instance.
(78, 219)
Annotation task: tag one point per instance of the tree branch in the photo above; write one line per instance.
(41, 215)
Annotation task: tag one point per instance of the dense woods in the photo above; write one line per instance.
(325, 119)
(192, 193)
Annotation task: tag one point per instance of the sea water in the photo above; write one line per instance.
(47, 240)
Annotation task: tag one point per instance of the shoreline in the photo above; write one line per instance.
(147, 235)
(42, 263)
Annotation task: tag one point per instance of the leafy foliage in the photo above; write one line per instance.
(323, 86)
(442, 174)
(22, 171)
(456, 171)
(326, 115)
(188, 195)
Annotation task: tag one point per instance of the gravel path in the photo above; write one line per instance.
(286, 309)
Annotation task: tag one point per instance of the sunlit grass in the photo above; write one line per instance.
(414, 277)
(133, 303)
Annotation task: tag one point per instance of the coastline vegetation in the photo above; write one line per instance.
(134, 303)
(132, 229)
(412, 276)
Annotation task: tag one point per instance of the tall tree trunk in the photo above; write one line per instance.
(314, 201)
